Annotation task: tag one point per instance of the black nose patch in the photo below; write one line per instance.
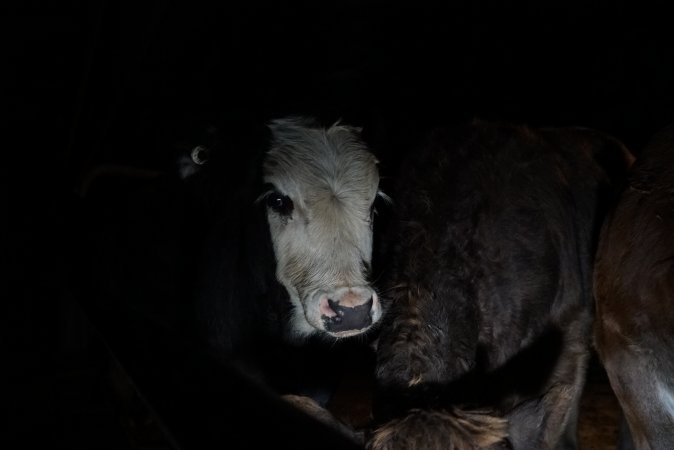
(346, 318)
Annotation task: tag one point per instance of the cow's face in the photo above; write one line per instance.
(322, 185)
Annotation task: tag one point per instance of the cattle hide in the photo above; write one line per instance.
(634, 288)
(486, 337)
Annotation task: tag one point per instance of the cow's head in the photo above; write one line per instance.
(322, 183)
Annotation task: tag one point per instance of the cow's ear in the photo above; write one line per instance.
(357, 130)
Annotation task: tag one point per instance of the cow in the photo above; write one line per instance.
(283, 290)
(239, 277)
(634, 290)
(487, 328)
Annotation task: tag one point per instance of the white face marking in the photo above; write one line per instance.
(323, 240)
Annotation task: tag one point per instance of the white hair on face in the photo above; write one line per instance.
(332, 180)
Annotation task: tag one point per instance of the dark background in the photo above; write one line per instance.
(134, 84)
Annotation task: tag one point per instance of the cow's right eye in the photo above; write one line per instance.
(280, 203)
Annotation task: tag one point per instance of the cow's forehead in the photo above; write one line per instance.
(317, 162)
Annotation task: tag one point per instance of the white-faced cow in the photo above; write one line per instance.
(487, 336)
(634, 288)
(288, 251)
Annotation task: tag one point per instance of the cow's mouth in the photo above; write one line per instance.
(347, 333)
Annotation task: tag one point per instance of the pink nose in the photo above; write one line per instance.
(353, 300)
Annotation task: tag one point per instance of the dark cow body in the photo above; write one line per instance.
(634, 288)
(487, 334)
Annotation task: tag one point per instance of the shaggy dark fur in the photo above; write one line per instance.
(450, 430)
(489, 288)
(634, 287)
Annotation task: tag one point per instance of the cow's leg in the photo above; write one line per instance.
(550, 421)
(645, 392)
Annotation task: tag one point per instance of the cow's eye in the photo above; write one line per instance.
(280, 203)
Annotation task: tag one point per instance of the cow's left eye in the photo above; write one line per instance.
(280, 203)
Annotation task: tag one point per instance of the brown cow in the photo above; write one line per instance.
(634, 288)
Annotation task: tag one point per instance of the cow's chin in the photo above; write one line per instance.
(346, 333)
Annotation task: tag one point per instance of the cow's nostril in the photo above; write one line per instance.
(348, 318)
(335, 306)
